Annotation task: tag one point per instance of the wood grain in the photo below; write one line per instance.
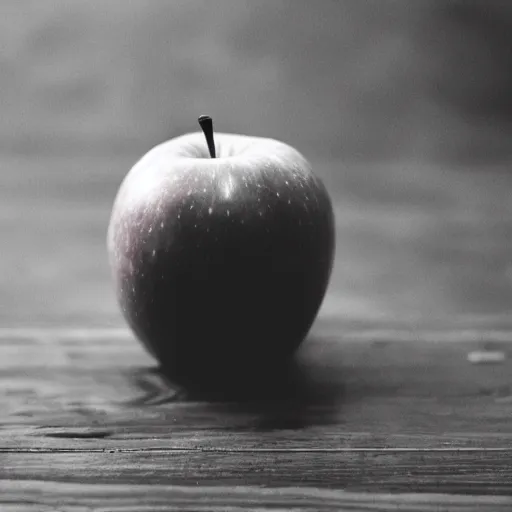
(474, 472)
(87, 420)
(37, 496)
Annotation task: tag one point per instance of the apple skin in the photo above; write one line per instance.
(220, 265)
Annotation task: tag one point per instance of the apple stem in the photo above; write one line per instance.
(206, 124)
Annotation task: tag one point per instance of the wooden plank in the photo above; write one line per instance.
(358, 414)
(480, 472)
(37, 496)
(375, 390)
(110, 383)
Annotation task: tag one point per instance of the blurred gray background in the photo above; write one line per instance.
(403, 107)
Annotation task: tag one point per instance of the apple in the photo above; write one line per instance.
(221, 257)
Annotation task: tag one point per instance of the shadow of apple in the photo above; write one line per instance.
(295, 393)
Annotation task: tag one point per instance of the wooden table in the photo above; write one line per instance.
(382, 411)
(363, 422)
